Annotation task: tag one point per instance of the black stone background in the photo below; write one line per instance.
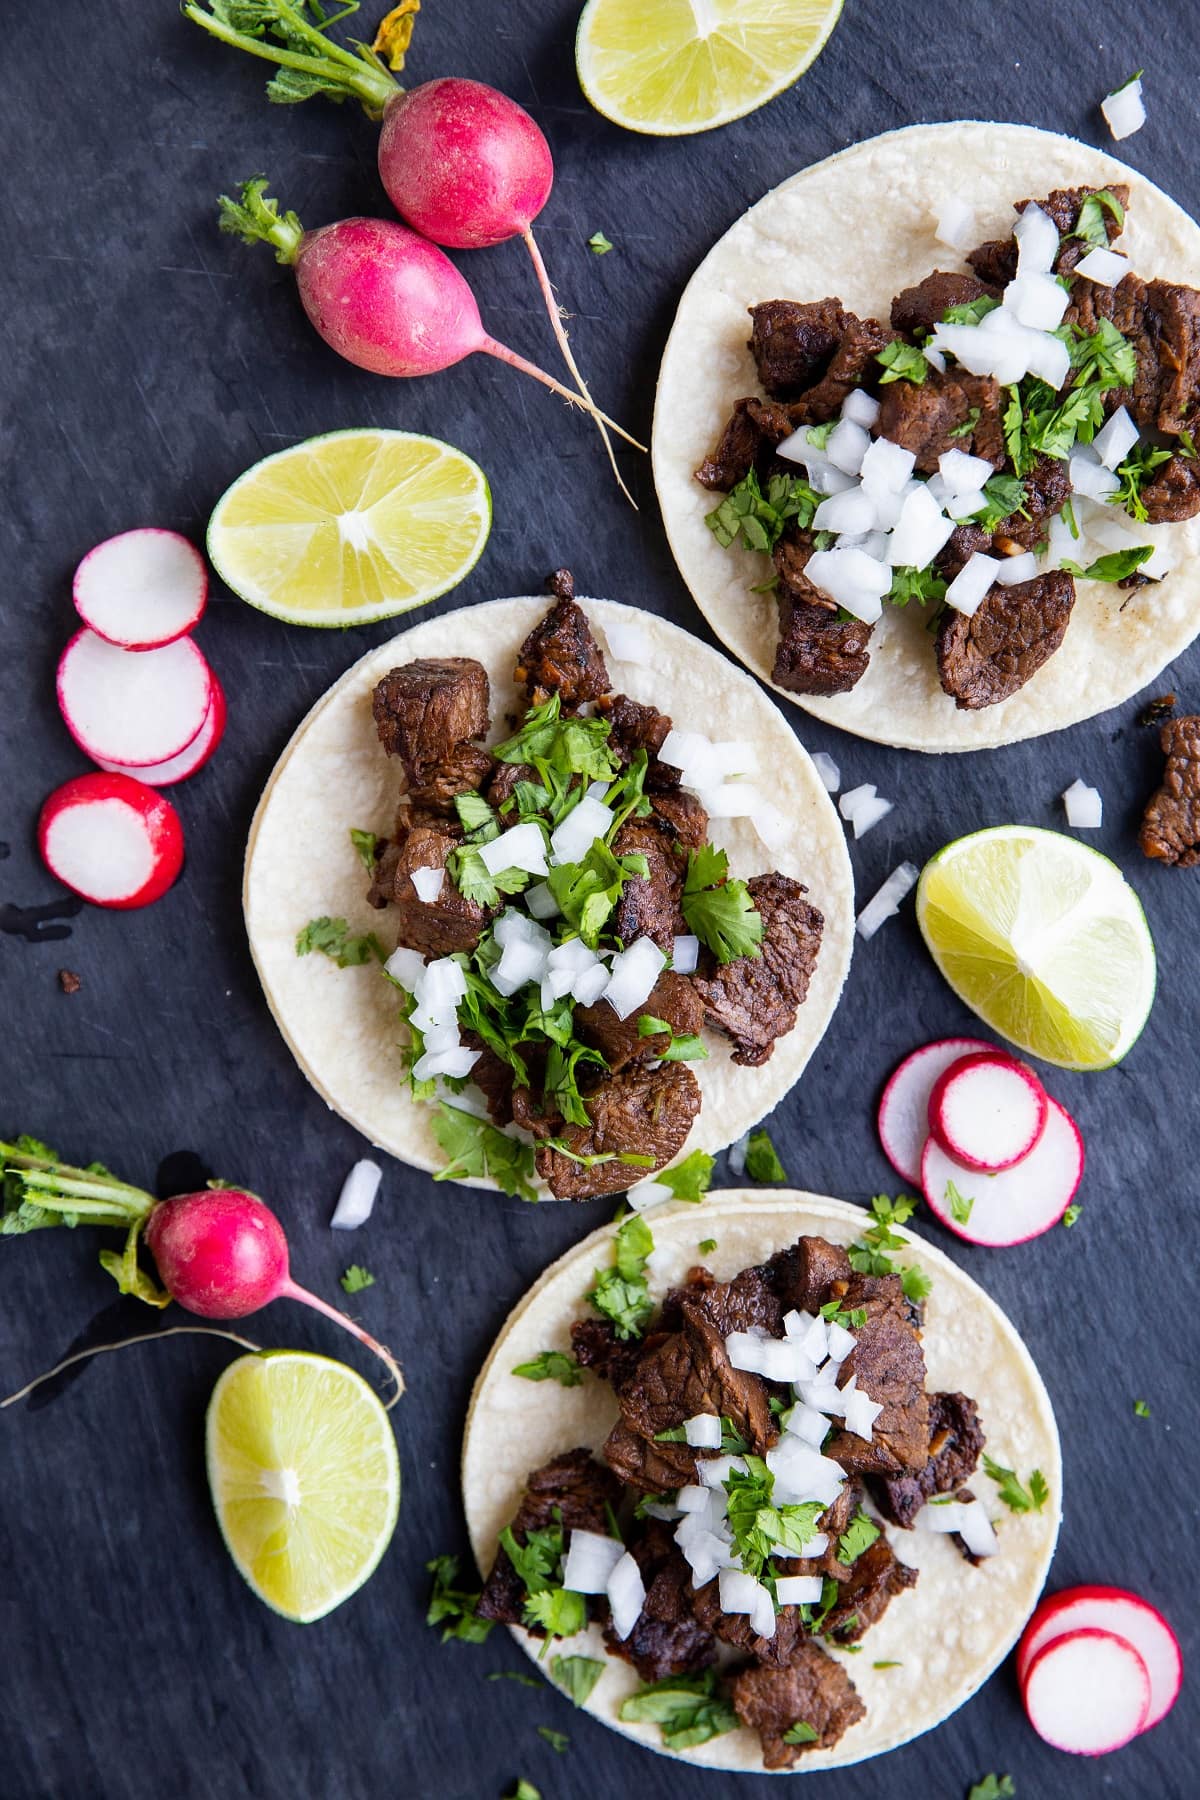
(146, 362)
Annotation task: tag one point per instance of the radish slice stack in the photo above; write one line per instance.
(1087, 1692)
(1124, 1616)
(111, 839)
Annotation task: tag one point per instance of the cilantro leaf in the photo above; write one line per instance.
(475, 881)
(557, 1740)
(1016, 1496)
(689, 1180)
(902, 362)
(1071, 1216)
(687, 1048)
(367, 846)
(454, 1608)
(1142, 1408)
(1090, 225)
(557, 1610)
(967, 428)
(474, 813)
(516, 1675)
(758, 520)
(1003, 496)
(587, 891)
(854, 1320)
(960, 1204)
(356, 1278)
(332, 937)
(993, 1787)
(757, 1524)
(551, 1365)
(858, 1536)
(706, 1246)
(819, 435)
(1115, 567)
(800, 1733)
(718, 911)
(477, 1150)
(762, 1158)
(524, 1790)
(1134, 473)
(871, 1254)
(970, 312)
(921, 585)
(916, 1283)
(732, 1441)
(564, 746)
(536, 1561)
(622, 1292)
(578, 1674)
(688, 1710)
(598, 244)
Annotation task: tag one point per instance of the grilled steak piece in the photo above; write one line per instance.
(792, 342)
(597, 1347)
(463, 771)
(922, 307)
(560, 655)
(1047, 489)
(996, 261)
(506, 778)
(817, 653)
(803, 1274)
(876, 1577)
(572, 1485)
(1173, 491)
(754, 999)
(647, 1111)
(634, 727)
(853, 365)
(650, 1468)
(747, 1303)
(1171, 827)
(424, 711)
(735, 1628)
(493, 1077)
(650, 905)
(929, 419)
(683, 815)
(747, 442)
(989, 656)
(813, 1688)
(435, 927)
(890, 1365)
(955, 1441)
(667, 1639)
(672, 998)
(1176, 312)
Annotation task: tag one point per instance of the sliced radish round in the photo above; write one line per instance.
(1018, 1203)
(189, 761)
(112, 839)
(133, 708)
(987, 1110)
(1087, 1692)
(141, 590)
(903, 1118)
(1127, 1616)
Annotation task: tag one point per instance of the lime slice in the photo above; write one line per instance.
(1044, 939)
(687, 65)
(352, 526)
(305, 1478)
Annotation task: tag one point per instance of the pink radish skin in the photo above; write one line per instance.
(1087, 1692)
(988, 1111)
(192, 760)
(464, 164)
(903, 1117)
(132, 708)
(142, 589)
(1018, 1204)
(1126, 1616)
(111, 839)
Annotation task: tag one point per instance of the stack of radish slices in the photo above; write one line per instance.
(140, 700)
(996, 1158)
(1097, 1666)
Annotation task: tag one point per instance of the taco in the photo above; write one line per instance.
(1002, 538)
(757, 1468)
(597, 960)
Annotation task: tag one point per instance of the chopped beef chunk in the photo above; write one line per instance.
(493, 1077)
(1162, 318)
(876, 1577)
(463, 771)
(996, 262)
(960, 547)
(813, 1688)
(667, 1638)
(922, 307)
(1156, 710)
(531, 1109)
(803, 1274)
(754, 999)
(438, 927)
(572, 1485)
(1171, 828)
(928, 419)
(597, 1347)
(424, 711)
(818, 653)
(989, 656)
(1176, 311)
(955, 1441)
(650, 1468)
(1047, 489)
(650, 905)
(684, 816)
(747, 1303)
(560, 655)
(506, 778)
(853, 365)
(735, 1628)
(673, 998)
(634, 727)
(646, 1111)
(793, 342)
(1173, 491)
(890, 1365)
(747, 442)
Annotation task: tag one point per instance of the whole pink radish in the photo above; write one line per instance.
(221, 1253)
(379, 294)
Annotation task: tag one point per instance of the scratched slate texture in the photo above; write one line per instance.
(146, 362)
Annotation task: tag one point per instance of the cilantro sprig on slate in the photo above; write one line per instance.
(719, 911)
(689, 1179)
(762, 1158)
(453, 1608)
(578, 1674)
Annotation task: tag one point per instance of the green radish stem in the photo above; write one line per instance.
(144, 1337)
(328, 68)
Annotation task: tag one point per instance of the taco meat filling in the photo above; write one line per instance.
(566, 932)
(735, 1529)
(1171, 828)
(1008, 431)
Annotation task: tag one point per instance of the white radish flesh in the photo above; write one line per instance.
(988, 1111)
(133, 707)
(190, 761)
(903, 1117)
(1087, 1693)
(1127, 1616)
(112, 839)
(142, 589)
(1018, 1204)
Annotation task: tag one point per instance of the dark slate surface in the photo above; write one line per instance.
(147, 361)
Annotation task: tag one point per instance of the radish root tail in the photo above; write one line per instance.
(493, 348)
(143, 1337)
(292, 1291)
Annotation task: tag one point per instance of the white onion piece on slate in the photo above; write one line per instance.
(428, 883)
(685, 954)
(961, 473)
(869, 813)
(1115, 439)
(853, 511)
(591, 1559)
(848, 444)
(1013, 570)
(1106, 267)
(956, 223)
(1037, 300)
(541, 901)
(827, 769)
(1037, 241)
(405, 966)
(919, 533)
(1084, 806)
(571, 841)
(627, 643)
(357, 1198)
(522, 847)
(634, 973)
(799, 1590)
(1124, 110)
(737, 1156)
(854, 580)
(886, 903)
(641, 1198)
(703, 1431)
(626, 1595)
(860, 408)
(1089, 476)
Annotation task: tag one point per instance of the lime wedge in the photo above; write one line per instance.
(1044, 939)
(350, 527)
(688, 65)
(305, 1478)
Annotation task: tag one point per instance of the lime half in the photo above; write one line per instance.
(1044, 939)
(688, 65)
(305, 1478)
(352, 526)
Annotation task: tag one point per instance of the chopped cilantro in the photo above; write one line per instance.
(921, 585)
(578, 1674)
(524, 1790)
(1016, 1496)
(356, 1278)
(1071, 1215)
(332, 937)
(858, 1536)
(1134, 473)
(598, 244)
(960, 1204)
(551, 1365)
(870, 1254)
(854, 1320)
(1068, 513)
(474, 813)
(688, 1710)
(762, 1158)
(800, 1733)
(622, 1293)
(970, 312)
(689, 1179)
(558, 1611)
(887, 1665)
(1090, 225)
(477, 1150)
(1115, 567)
(1003, 496)
(517, 1675)
(967, 428)
(706, 1246)
(1187, 447)
(536, 1561)
(474, 880)
(758, 1526)
(720, 912)
(564, 746)
(557, 1740)
(902, 362)
(454, 1608)
(687, 1048)
(587, 891)
(732, 1441)
(993, 1787)
(367, 845)
(758, 520)
(1142, 1408)
(819, 435)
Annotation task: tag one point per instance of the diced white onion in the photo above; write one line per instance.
(693, 1499)
(730, 799)
(590, 1561)
(853, 511)
(854, 580)
(827, 769)
(841, 1341)
(713, 1471)
(521, 963)
(571, 956)
(961, 473)
(660, 1509)
(802, 1473)
(799, 1590)
(976, 1530)
(738, 1591)
(1089, 476)
(704, 764)
(942, 1516)
(406, 966)
(956, 224)
(969, 588)
(886, 467)
(934, 358)
(627, 643)
(571, 841)
(823, 1397)
(919, 532)
(588, 986)
(1037, 300)
(1106, 267)
(1037, 241)
(428, 883)
(685, 954)
(1048, 357)
(1061, 543)
(541, 901)
(1084, 806)
(626, 1595)
(641, 1198)
(522, 847)
(357, 1198)
(859, 406)
(1115, 439)
(807, 1424)
(1013, 570)
(853, 798)
(965, 506)
(762, 1616)
(454, 1063)
(634, 973)
(703, 1431)
(985, 353)
(1125, 111)
(886, 903)
(861, 1411)
(869, 813)
(848, 444)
